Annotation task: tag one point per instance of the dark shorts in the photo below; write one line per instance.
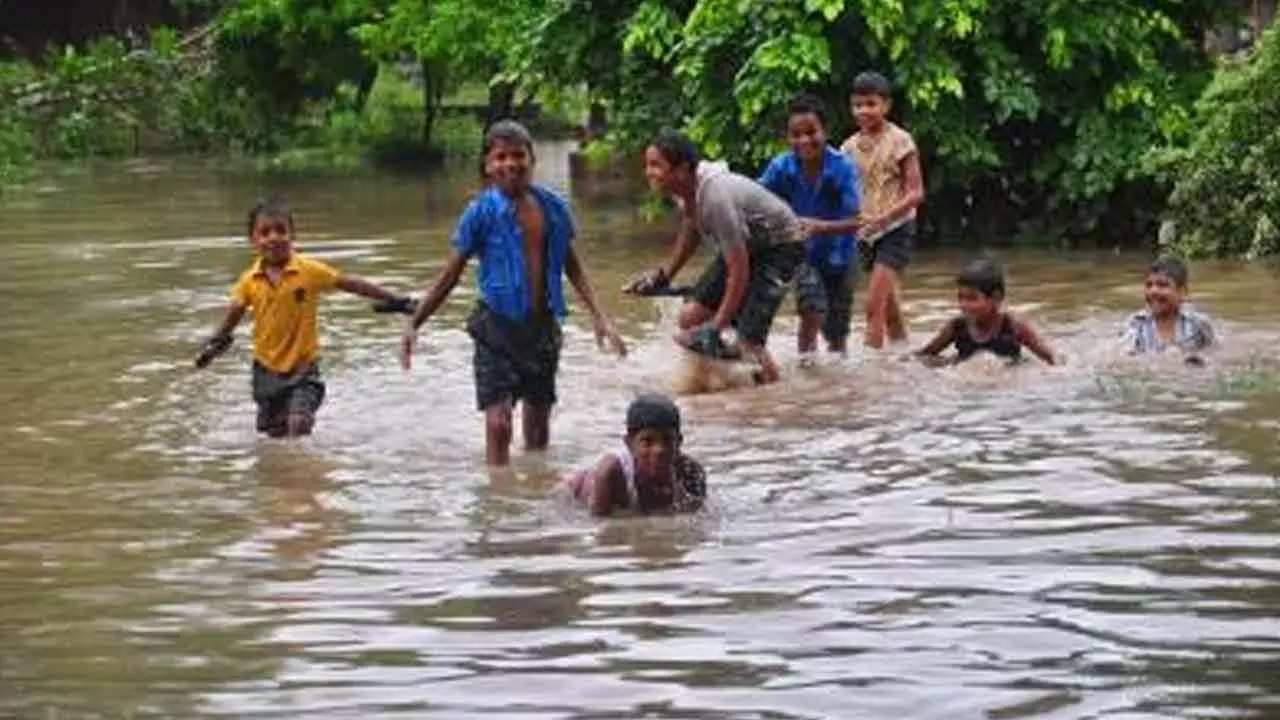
(894, 248)
(280, 395)
(772, 270)
(828, 293)
(514, 360)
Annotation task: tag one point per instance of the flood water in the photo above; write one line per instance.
(1100, 540)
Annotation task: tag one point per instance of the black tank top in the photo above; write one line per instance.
(1002, 343)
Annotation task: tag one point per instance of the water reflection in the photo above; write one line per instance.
(882, 540)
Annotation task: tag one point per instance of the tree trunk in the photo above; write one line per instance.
(502, 97)
(432, 91)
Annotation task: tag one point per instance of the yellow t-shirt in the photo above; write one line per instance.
(880, 178)
(284, 314)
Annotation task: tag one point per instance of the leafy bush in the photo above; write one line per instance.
(1226, 180)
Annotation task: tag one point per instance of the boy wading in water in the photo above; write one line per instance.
(523, 234)
(892, 188)
(1167, 321)
(647, 472)
(821, 186)
(283, 288)
(982, 325)
(759, 242)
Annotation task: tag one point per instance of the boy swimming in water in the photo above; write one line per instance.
(892, 188)
(981, 325)
(1166, 321)
(759, 242)
(821, 186)
(647, 473)
(282, 288)
(523, 233)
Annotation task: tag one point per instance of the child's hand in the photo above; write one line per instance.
(647, 283)
(404, 305)
(213, 347)
(607, 337)
(810, 226)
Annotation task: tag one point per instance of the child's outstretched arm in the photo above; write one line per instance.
(221, 338)
(357, 285)
(657, 278)
(1031, 340)
(929, 353)
(436, 295)
(606, 331)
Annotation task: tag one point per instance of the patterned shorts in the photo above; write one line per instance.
(772, 271)
(280, 395)
(514, 361)
(827, 292)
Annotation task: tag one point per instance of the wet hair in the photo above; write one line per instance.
(652, 411)
(872, 83)
(983, 276)
(271, 207)
(508, 132)
(806, 104)
(1172, 268)
(676, 148)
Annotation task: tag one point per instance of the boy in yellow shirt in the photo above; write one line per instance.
(282, 287)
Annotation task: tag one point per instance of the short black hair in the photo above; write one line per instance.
(985, 276)
(676, 148)
(272, 207)
(806, 104)
(1172, 268)
(504, 131)
(872, 83)
(652, 411)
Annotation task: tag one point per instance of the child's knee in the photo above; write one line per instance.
(497, 423)
(692, 314)
(300, 424)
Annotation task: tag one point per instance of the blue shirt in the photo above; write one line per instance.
(1192, 332)
(488, 229)
(833, 197)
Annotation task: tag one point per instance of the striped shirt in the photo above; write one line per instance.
(1192, 332)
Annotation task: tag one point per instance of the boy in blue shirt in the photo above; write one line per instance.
(821, 186)
(523, 234)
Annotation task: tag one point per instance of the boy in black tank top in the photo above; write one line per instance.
(981, 324)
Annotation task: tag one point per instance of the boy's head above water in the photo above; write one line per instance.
(653, 434)
(271, 230)
(870, 100)
(807, 127)
(671, 163)
(1165, 286)
(507, 156)
(980, 289)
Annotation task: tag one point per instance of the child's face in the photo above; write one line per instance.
(975, 305)
(272, 239)
(509, 166)
(663, 177)
(806, 135)
(869, 111)
(654, 451)
(1162, 294)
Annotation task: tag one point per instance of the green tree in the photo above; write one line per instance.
(1033, 117)
(1226, 192)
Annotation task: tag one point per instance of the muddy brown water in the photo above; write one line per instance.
(883, 541)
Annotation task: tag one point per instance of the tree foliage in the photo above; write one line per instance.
(1032, 116)
(1225, 200)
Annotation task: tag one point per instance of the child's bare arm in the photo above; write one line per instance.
(357, 285)
(221, 338)
(939, 343)
(576, 270)
(439, 290)
(604, 478)
(912, 192)
(1031, 340)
